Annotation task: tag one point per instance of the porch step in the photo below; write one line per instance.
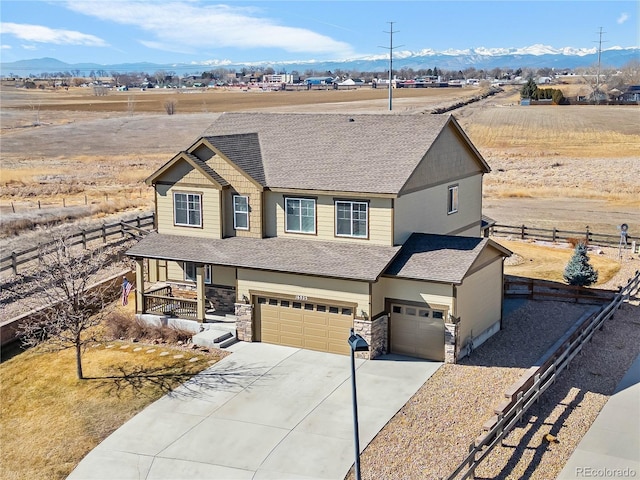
(223, 337)
(229, 342)
(215, 336)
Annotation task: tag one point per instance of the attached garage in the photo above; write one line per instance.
(313, 325)
(417, 331)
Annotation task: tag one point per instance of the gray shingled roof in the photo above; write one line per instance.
(244, 151)
(327, 259)
(437, 258)
(350, 153)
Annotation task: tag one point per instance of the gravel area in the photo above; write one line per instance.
(431, 434)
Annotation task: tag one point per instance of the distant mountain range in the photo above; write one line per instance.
(536, 56)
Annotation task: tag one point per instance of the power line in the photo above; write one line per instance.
(391, 48)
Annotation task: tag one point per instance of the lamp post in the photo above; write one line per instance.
(357, 344)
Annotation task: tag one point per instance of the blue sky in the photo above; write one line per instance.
(186, 31)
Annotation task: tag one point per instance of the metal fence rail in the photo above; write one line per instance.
(537, 380)
(136, 227)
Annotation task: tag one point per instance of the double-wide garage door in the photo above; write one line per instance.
(417, 332)
(314, 326)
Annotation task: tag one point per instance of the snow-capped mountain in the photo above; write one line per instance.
(534, 56)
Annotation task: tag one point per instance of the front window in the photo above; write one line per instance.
(187, 209)
(351, 219)
(190, 272)
(301, 215)
(452, 203)
(240, 212)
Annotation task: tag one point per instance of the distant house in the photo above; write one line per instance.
(318, 80)
(302, 227)
(631, 95)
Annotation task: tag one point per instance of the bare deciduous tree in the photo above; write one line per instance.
(70, 300)
(170, 106)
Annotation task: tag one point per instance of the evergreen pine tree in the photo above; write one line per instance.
(579, 271)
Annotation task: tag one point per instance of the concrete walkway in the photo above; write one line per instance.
(264, 412)
(611, 447)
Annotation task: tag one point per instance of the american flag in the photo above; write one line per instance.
(127, 286)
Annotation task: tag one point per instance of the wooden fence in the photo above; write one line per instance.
(524, 232)
(9, 329)
(531, 385)
(535, 289)
(136, 227)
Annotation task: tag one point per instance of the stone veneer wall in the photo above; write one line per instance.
(450, 337)
(376, 333)
(223, 298)
(244, 321)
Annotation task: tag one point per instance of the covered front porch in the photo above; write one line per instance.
(201, 302)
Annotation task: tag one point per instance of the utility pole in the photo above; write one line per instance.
(599, 58)
(390, 48)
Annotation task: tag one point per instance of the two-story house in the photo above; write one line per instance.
(307, 225)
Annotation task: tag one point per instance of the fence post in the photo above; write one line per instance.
(522, 232)
(104, 233)
(586, 238)
(472, 461)
(64, 202)
(39, 207)
(84, 239)
(554, 234)
(138, 221)
(13, 208)
(14, 262)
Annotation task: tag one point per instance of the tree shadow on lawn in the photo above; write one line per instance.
(174, 381)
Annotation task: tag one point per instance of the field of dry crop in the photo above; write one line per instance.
(566, 167)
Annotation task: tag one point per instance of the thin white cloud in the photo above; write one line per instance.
(622, 18)
(5, 47)
(41, 34)
(181, 25)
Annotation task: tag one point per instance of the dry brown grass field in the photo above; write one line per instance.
(552, 166)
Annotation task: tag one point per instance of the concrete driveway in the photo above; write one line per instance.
(264, 412)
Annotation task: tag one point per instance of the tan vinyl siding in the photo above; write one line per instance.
(425, 211)
(210, 204)
(380, 214)
(175, 272)
(480, 301)
(448, 158)
(242, 185)
(412, 290)
(224, 276)
(183, 172)
(312, 287)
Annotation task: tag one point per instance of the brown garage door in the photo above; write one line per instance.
(313, 326)
(417, 332)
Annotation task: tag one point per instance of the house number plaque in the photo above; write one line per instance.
(301, 297)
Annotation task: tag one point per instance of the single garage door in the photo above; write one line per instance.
(313, 326)
(417, 332)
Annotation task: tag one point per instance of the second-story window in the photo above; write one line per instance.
(187, 209)
(351, 219)
(452, 199)
(240, 212)
(301, 215)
